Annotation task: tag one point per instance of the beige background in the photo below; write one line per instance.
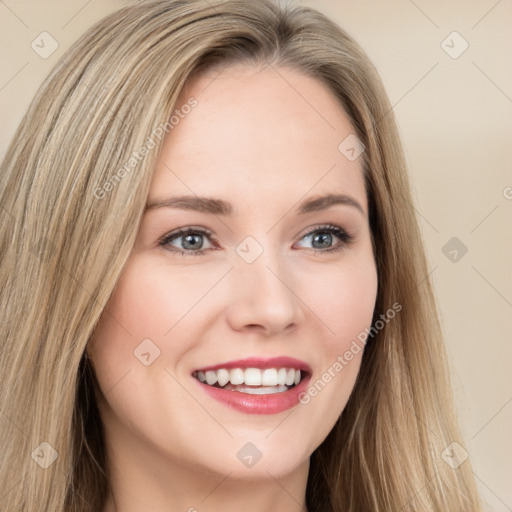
(455, 116)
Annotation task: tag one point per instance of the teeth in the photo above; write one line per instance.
(211, 377)
(222, 377)
(252, 377)
(290, 377)
(236, 376)
(281, 376)
(269, 378)
(262, 390)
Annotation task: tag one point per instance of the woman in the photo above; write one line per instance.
(214, 291)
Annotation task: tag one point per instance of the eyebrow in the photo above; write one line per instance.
(220, 207)
(196, 203)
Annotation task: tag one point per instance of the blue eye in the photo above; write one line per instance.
(191, 241)
(188, 241)
(323, 239)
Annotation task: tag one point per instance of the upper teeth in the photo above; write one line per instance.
(251, 376)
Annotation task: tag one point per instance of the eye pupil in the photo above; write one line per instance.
(323, 240)
(192, 241)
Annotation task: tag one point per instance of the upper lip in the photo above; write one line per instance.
(261, 363)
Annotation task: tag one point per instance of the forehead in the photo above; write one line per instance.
(254, 133)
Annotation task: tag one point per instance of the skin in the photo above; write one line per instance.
(263, 139)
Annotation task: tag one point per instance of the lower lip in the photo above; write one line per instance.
(272, 403)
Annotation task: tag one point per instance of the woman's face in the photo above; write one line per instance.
(254, 258)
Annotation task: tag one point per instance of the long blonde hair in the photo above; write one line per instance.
(64, 245)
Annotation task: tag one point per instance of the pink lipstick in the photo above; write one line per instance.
(256, 385)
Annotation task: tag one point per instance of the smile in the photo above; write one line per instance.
(255, 385)
(253, 381)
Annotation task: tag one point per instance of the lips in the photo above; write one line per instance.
(262, 363)
(256, 385)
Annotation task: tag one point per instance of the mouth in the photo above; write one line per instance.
(255, 385)
(253, 381)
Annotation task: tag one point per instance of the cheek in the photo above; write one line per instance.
(134, 314)
(152, 296)
(147, 304)
(343, 299)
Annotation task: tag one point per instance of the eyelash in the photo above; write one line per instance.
(345, 238)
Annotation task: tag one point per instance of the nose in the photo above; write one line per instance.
(263, 297)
